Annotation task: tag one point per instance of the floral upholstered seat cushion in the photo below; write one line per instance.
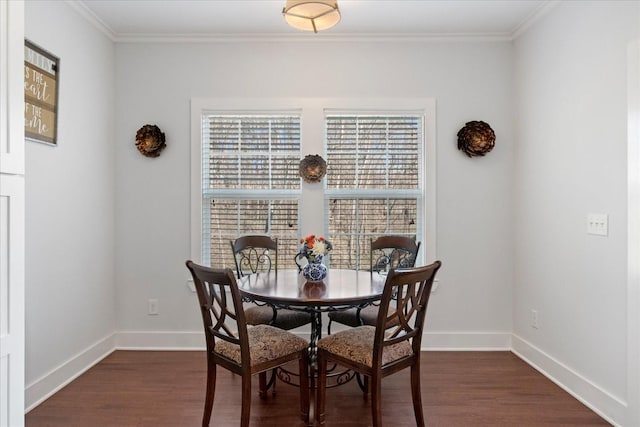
(356, 344)
(369, 316)
(265, 343)
(285, 319)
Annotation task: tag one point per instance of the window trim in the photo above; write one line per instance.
(313, 111)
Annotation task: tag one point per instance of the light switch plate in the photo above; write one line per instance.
(598, 224)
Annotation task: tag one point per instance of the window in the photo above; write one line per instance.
(374, 182)
(380, 178)
(250, 182)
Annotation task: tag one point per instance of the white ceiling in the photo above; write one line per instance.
(212, 18)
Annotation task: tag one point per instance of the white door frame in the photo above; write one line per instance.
(12, 215)
(633, 244)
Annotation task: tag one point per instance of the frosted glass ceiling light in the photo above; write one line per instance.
(311, 15)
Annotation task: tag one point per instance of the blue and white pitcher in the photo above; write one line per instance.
(314, 270)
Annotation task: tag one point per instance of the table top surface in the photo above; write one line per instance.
(340, 287)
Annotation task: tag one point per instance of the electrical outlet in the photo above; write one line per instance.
(435, 285)
(153, 307)
(534, 319)
(191, 285)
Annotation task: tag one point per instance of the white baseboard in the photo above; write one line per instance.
(192, 340)
(167, 341)
(445, 341)
(466, 341)
(603, 403)
(44, 387)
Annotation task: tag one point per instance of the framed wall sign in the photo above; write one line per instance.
(41, 72)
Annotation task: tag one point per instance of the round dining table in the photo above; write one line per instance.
(340, 290)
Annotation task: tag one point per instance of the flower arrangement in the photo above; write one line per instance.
(314, 247)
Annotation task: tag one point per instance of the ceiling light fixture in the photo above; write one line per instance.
(311, 15)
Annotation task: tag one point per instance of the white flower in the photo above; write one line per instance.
(319, 248)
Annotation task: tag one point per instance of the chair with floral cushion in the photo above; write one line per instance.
(240, 349)
(390, 346)
(386, 253)
(259, 253)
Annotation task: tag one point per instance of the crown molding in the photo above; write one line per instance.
(534, 17)
(314, 38)
(80, 7)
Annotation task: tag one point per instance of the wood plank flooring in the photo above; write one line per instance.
(160, 388)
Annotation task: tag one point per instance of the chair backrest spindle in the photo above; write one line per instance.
(254, 254)
(410, 289)
(222, 319)
(389, 252)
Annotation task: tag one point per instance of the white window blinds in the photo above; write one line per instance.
(374, 152)
(250, 182)
(374, 182)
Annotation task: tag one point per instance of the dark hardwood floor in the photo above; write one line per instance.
(160, 388)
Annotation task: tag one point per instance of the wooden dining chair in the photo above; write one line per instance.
(255, 254)
(240, 349)
(386, 253)
(390, 346)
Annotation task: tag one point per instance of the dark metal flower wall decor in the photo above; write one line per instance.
(476, 138)
(313, 168)
(150, 140)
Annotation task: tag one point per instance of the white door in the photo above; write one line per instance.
(11, 300)
(12, 216)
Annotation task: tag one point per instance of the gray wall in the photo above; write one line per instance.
(570, 160)
(70, 199)
(470, 81)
